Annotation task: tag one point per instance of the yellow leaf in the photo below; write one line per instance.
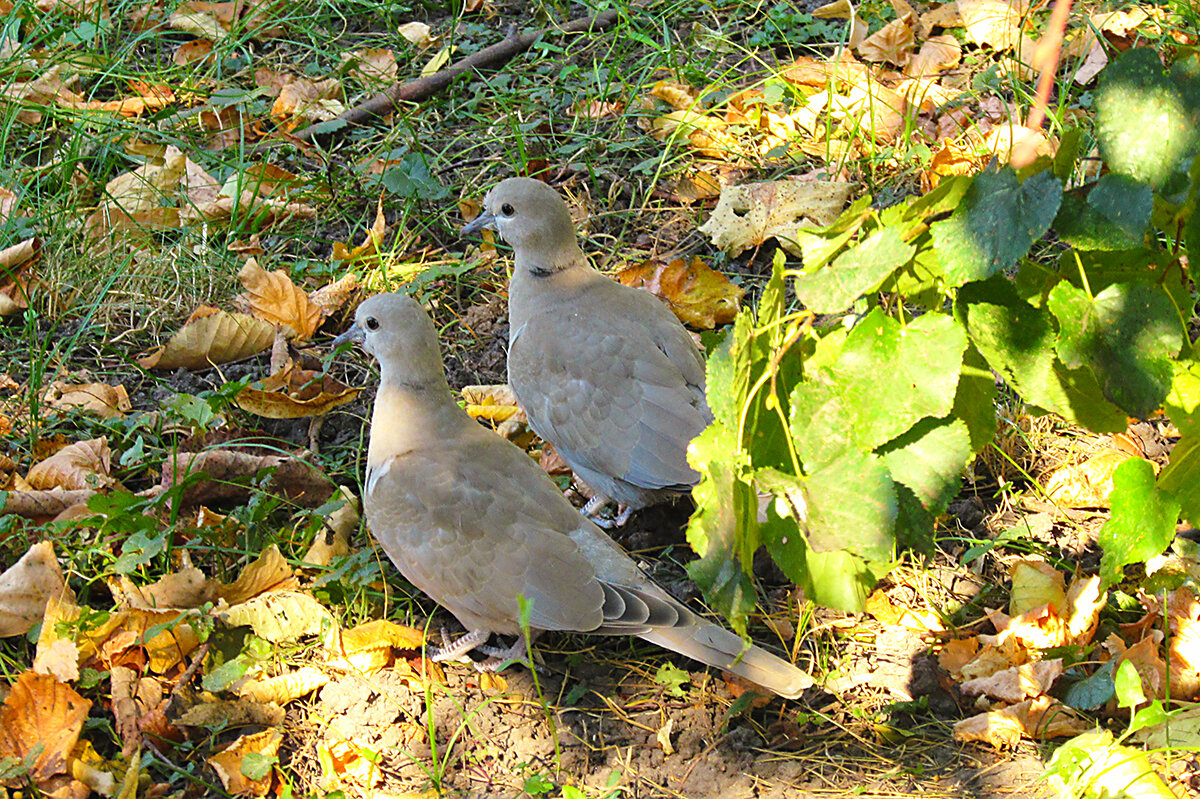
(218, 337)
(273, 297)
(698, 295)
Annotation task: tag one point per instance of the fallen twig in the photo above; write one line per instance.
(425, 87)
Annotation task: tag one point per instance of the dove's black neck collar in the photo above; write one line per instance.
(541, 271)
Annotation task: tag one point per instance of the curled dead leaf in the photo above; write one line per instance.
(26, 587)
(215, 338)
(82, 465)
(273, 297)
(700, 296)
(749, 214)
(99, 398)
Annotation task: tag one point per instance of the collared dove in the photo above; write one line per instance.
(606, 373)
(473, 522)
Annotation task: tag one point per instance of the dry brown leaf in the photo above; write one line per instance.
(749, 214)
(197, 51)
(15, 262)
(937, 54)
(284, 688)
(186, 588)
(679, 96)
(995, 23)
(418, 34)
(99, 398)
(272, 296)
(957, 653)
(844, 9)
(701, 297)
(892, 43)
(40, 725)
(209, 340)
(84, 464)
(373, 66)
(1035, 583)
(330, 298)
(333, 539)
(26, 587)
(228, 763)
(304, 101)
(1017, 683)
(367, 252)
(230, 473)
(1087, 484)
(1036, 719)
(268, 572)
(597, 109)
(281, 616)
(294, 392)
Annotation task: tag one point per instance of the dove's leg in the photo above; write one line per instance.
(499, 657)
(592, 511)
(457, 650)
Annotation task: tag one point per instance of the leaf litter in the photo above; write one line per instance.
(149, 637)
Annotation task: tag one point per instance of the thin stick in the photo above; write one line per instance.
(425, 87)
(1045, 58)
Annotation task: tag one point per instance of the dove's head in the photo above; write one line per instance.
(396, 330)
(533, 219)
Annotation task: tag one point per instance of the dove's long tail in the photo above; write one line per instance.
(718, 647)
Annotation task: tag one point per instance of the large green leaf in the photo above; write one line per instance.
(1182, 477)
(1142, 523)
(1183, 400)
(1018, 342)
(929, 459)
(886, 378)
(1114, 216)
(723, 530)
(975, 402)
(860, 269)
(1126, 335)
(997, 222)
(1143, 121)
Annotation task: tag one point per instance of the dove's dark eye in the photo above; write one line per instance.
(372, 323)
(507, 210)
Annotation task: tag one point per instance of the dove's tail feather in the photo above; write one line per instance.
(716, 646)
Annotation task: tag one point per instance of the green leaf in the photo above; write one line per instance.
(855, 272)
(256, 765)
(996, 223)
(1067, 153)
(818, 247)
(1094, 690)
(1183, 400)
(975, 402)
(722, 379)
(1142, 523)
(1181, 478)
(672, 678)
(723, 530)
(929, 459)
(1018, 342)
(1114, 217)
(887, 377)
(1128, 686)
(1142, 121)
(1126, 335)
(1191, 226)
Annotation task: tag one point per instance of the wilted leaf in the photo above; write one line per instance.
(1087, 484)
(1035, 719)
(26, 586)
(369, 250)
(996, 23)
(268, 572)
(84, 464)
(284, 688)
(937, 54)
(215, 338)
(747, 215)
(892, 43)
(1018, 682)
(193, 52)
(40, 724)
(330, 298)
(417, 34)
(698, 295)
(280, 616)
(1035, 583)
(295, 392)
(245, 767)
(99, 398)
(303, 101)
(373, 65)
(332, 540)
(496, 403)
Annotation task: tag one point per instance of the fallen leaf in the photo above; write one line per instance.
(1035, 719)
(1035, 583)
(39, 726)
(244, 777)
(701, 297)
(332, 540)
(104, 400)
(331, 297)
(367, 252)
(304, 101)
(892, 43)
(1087, 484)
(280, 616)
(1017, 683)
(26, 587)
(749, 214)
(215, 338)
(496, 403)
(373, 65)
(273, 297)
(84, 464)
(197, 51)
(284, 688)
(418, 34)
(296, 391)
(268, 572)
(937, 54)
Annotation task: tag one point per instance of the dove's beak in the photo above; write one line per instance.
(479, 223)
(354, 334)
